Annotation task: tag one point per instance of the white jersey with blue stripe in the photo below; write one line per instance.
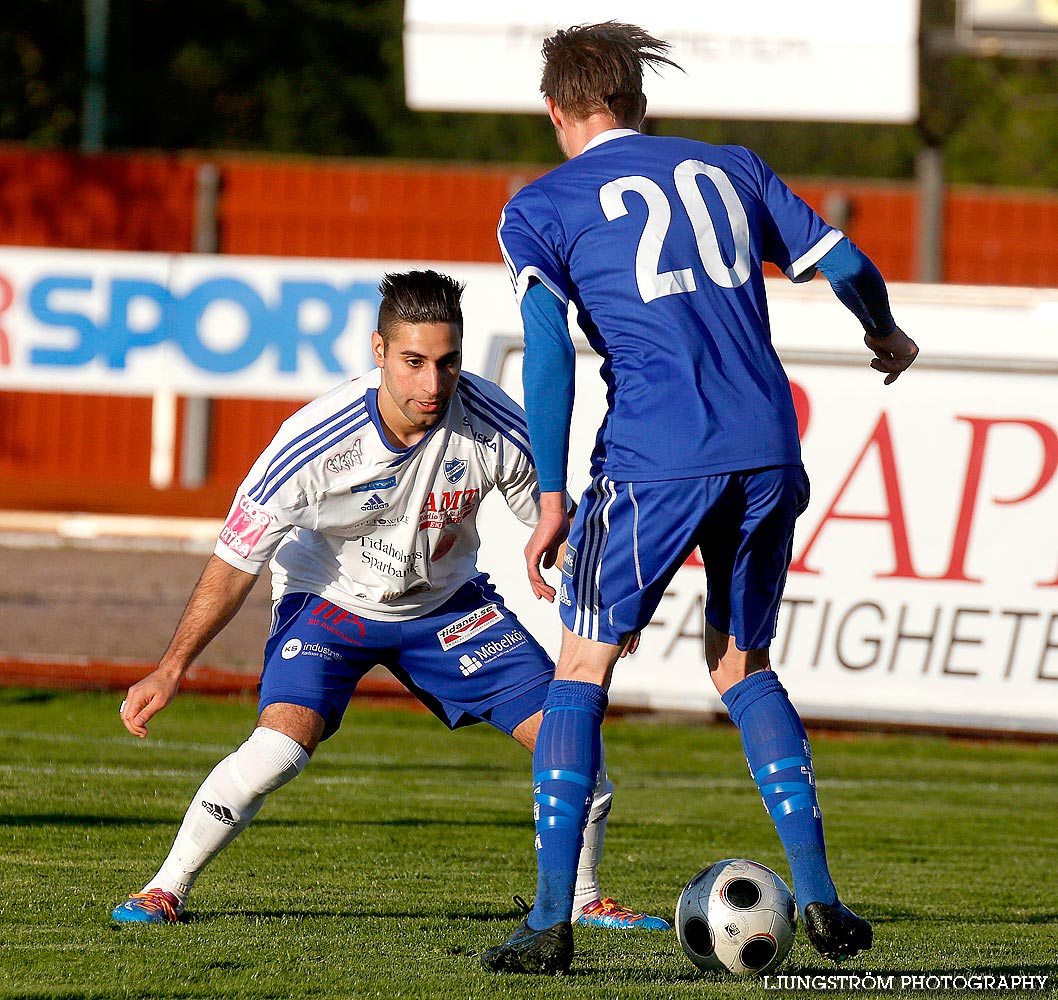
(385, 532)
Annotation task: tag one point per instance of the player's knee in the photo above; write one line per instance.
(267, 761)
(304, 725)
(586, 660)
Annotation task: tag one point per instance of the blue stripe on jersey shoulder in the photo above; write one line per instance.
(400, 460)
(509, 418)
(351, 426)
(510, 425)
(295, 453)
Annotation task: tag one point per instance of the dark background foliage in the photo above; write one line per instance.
(325, 78)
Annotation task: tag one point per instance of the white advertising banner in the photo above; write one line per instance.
(924, 584)
(764, 59)
(195, 324)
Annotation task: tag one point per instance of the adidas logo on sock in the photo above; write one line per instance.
(220, 813)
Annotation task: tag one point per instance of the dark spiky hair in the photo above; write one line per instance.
(418, 297)
(593, 68)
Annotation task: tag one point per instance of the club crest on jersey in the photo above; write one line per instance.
(347, 460)
(375, 503)
(469, 626)
(454, 470)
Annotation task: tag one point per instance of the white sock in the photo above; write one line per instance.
(587, 889)
(224, 805)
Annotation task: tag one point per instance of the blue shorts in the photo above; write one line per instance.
(628, 540)
(470, 660)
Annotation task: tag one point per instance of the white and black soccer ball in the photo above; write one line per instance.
(736, 916)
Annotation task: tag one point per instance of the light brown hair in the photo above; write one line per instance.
(593, 68)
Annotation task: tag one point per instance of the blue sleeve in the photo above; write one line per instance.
(548, 369)
(532, 243)
(859, 286)
(794, 237)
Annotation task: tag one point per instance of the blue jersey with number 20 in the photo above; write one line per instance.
(659, 244)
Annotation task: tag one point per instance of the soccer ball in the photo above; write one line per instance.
(736, 916)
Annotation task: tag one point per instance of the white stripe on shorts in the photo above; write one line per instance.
(596, 530)
(276, 624)
(635, 537)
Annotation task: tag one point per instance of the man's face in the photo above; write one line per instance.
(420, 368)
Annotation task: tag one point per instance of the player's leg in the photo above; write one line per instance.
(473, 660)
(590, 907)
(747, 564)
(566, 762)
(223, 806)
(618, 562)
(311, 670)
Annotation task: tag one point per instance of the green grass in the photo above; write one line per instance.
(391, 862)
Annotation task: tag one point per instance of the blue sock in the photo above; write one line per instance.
(780, 760)
(565, 768)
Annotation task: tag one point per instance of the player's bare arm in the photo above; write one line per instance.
(544, 543)
(217, 596)
(893, 353)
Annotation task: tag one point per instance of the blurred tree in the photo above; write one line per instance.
(325, 78)
(42, 52)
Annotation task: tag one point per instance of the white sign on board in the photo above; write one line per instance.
(924, 586)
(764, 59)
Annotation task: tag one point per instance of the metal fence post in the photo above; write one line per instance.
(198, 410)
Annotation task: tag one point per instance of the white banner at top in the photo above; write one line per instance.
(765, 59)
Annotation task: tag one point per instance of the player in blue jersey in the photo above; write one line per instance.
(659, 243)
(364, 508)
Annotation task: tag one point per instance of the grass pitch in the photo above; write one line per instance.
(390, 863)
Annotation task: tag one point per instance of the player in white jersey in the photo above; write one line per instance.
(364, 506)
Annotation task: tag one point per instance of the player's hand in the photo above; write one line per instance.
(631, 645)
(543, 547)
(146, 698)
(893, 354)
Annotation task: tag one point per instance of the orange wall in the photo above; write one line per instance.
(309, 208)
(99, 202)
(364, 210)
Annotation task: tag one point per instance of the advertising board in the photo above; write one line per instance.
(924, 583)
